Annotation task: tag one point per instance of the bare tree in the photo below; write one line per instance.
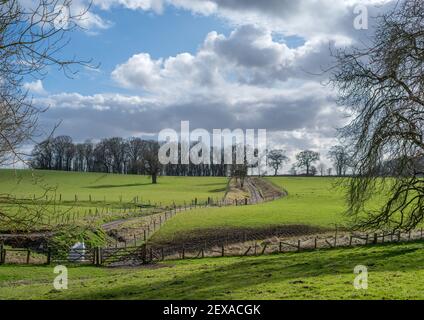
(276, 159)
(383, 86)
(305, 160)
(341, 158)
(31, 39)
(150, 161)
(321, 168)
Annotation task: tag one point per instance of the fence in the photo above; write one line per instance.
(143, 254)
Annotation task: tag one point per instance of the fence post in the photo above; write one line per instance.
(316, 243)
(1, 254)
(366, 239)
(223, 252)
(280, 249)
(398, 236)
(99, 256)
(375, 238)
(163, 254)
(298, 245)
(28, 256)
(183, 253)
(49, 255)
(350, 241)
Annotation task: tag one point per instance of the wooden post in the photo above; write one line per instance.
(255, 247)
(398, 236)
(4, 256)
(183, 253)
(28, 256)
(1, 254)
(163, 254)
(366, 239)
(316, 243)
(49, 256)
(280, 249)
(223, 252)
(375, 238)
(409, 235)
(350, 241)
(298, 245)
(203, 253)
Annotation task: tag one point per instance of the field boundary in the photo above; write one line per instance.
(147, 254)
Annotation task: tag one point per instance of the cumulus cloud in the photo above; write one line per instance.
(251, 78)
(35, 87)
(247, 59)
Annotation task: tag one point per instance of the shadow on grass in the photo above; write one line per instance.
(107, 186)
(215, 280)
(217, 190)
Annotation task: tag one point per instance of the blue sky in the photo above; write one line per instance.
(161, 35)
(218, 64)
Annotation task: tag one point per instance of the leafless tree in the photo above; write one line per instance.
(305, 159)
(31, 40)
(382, 84)
(341, 158)
(276, 159)
(150, 161)
(321, 168)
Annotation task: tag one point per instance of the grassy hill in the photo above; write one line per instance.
(311, 201)
(395, 272)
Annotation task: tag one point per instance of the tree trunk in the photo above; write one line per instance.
(154, 178)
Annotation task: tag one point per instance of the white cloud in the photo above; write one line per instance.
(35, 87)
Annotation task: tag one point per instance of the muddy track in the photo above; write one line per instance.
(254, 191)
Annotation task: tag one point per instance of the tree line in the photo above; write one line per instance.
(138, 156)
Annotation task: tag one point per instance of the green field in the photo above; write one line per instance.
(110, 187)
(395, 272)
(81, 197)
(310, 201)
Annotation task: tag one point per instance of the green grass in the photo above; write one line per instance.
(395, 272)
(111, 186)
(100, 197)
(311, 201)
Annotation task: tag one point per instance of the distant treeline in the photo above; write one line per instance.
(113, 155)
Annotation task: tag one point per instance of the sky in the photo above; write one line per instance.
(216, 63)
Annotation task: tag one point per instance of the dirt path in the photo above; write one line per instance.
(254, 191)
